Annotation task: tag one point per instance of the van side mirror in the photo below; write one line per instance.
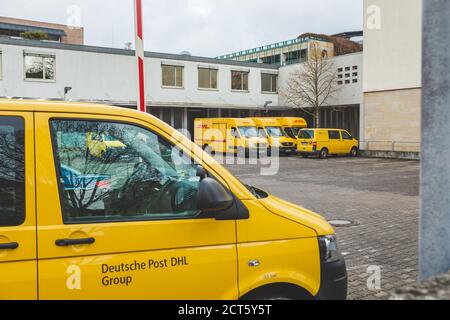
(212, 196)
(201, 172)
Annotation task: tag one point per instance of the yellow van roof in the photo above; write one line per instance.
(244, 122)
(292, 121)
(266, 122)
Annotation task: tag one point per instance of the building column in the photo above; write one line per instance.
(435, 176)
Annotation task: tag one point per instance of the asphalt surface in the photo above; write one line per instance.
(382, 198)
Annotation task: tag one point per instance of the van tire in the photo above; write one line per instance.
(323, 153)
(354, 152)
(278, 291)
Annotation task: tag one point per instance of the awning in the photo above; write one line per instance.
(24, 28)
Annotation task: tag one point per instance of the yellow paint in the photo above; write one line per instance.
(168, 259)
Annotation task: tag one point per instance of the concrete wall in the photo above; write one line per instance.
(392, 120)
(392, 47)
(111, 77)
(392, 75)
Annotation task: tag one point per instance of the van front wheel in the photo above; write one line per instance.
(323, 153)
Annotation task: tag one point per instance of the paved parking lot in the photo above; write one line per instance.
(382, 196)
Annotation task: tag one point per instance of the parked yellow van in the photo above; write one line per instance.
(292, 125)
(232, 135)
(271, 129)
(101, 145)
(325, 142)
(166, 222)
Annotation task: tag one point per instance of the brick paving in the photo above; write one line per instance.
(380, 195)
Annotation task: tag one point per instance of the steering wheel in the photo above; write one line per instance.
(136, 179)
(163, 194)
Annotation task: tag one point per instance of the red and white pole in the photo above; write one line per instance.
(139, 48)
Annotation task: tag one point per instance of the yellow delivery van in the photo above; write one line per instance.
(228, 135)
(102, 146)
(292, 125)
(325, 142)
(271, 129)
(166, 222)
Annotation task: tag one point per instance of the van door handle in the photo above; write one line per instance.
(9, 246)
(72, 242)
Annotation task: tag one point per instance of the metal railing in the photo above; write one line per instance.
(393, 146)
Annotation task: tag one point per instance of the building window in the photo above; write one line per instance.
(355, 74)
(347, 75)
(355, 80)
(39, 66)
(347, 81)
(340, 83)
(207, 78)
(355, 67)
(340, 69)
(172, 76)
(269, 82)
(239, 80)
(347, 68)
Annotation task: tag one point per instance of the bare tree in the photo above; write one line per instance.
(312, 84)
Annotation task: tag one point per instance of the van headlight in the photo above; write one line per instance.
(329, 251)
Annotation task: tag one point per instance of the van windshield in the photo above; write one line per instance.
(275, 132)
(306, 134)
(292, 132)
(248, 132)
(262, 133)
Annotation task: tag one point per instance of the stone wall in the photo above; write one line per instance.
(392, 121)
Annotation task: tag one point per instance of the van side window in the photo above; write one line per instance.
(346, 136)
(334, 135)
(130, 174)
(306, 134)
(12, 171)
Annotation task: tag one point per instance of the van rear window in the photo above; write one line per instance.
(306, 134)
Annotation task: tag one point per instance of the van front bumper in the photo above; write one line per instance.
(333, 281)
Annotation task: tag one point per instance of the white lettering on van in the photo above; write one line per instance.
(74, 280)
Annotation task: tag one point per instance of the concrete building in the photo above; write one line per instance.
(298, 50)
(12, 28)
(344, 108)
(179, 88)
(392, 77)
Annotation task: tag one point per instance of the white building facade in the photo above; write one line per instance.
(344, 108)
(179, 88)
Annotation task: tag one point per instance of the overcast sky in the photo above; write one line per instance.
(202, 27)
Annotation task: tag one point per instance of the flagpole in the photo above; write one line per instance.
(139, 50)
